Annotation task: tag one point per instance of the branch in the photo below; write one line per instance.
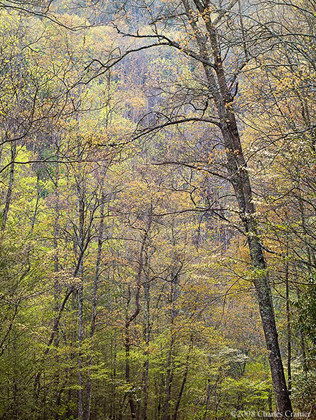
(107, 67)
(191, 166)
(170, 43)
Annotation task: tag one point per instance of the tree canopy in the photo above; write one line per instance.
(157, 221)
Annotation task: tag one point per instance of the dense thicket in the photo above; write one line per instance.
(158, 196)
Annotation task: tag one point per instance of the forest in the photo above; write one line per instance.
(157, 209)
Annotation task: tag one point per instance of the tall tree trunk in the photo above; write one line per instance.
(131, 399)
(133, 316)
(169, 368)
(94, 297)
(81, 211)
(238, 173)
(114, 411)
(184, 380)
(288, 327)
(168, 382)
(147, 340)
(208, 399)
(239, 177)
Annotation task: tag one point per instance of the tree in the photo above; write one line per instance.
(208, 35)
(156, 175)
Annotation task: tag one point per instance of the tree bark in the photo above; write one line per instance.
(240, 180)
(169, 369)
(131, 400)
(184, 380)
(147, 340)
(168, 380)
(288, 327)
(81, 211)
(94, 297)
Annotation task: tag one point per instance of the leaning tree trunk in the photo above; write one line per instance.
(239, 177)
(238, 173)
(241, 183)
